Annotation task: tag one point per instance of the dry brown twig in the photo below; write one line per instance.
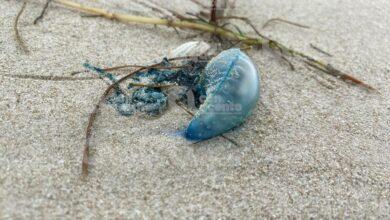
(123, 67)
(18, 38)
(43, 11)
(49, 78)
(320, 50)
(222, 33)
(284, 21)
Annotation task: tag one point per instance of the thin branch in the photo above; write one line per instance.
(320, 50)
(43, 11)
(127, 66)
(49, 78)
(18, 38)
(197, 16)
(184, 108)
(219, 31)
(90, 16)
(107, 69)
(329, 69)
(246, 20)
(152, 85)
(159, 21)
(284, 21)
(213, 12)
(235, 143)
(320, 65)
(292, 67)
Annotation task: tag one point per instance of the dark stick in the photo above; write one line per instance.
(292, 67)
(91, 16)
(340, 75)
(213, 13)
(320, 50)
(42, 12)
(230, 140)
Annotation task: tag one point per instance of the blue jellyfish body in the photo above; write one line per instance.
(232, 91)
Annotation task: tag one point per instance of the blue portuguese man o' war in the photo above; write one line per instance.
(232, 91)
(225, 89)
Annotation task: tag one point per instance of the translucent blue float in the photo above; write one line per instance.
(232, 89)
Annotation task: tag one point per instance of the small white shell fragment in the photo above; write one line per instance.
(192, 48)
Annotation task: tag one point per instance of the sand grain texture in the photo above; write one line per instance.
(307, 151)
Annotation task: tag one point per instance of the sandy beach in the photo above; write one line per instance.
(314, 146)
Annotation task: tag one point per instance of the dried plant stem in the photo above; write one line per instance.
(123, 67)
(49, 78)
(213, 12)
(152, 85)
(160, 21)
(284, 21)
(320, 65)
(67, 78)
(221, 32)
(320, 50)
(18, 38)
(108, 69)
(244, 19)
(42, 12)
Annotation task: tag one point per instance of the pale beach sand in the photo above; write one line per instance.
(307, 151)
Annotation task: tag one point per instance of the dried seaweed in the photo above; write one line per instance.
(222, 33)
